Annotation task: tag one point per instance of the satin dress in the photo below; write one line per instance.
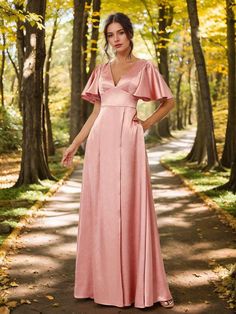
(118, 260)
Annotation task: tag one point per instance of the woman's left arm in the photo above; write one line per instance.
(158, 114)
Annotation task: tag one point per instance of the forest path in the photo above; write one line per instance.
(191, 237)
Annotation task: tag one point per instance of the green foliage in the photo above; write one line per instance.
(220, 112)
(29, 194)
(10, 14)
(10, 129)
(59, 91)
(204, 181)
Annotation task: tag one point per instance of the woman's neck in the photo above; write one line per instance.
(122, 58)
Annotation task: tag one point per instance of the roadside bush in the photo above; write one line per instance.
(10, 129)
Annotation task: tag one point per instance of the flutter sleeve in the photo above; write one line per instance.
(91, 90)
(152, 85)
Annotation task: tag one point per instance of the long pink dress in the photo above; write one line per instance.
(118, 258)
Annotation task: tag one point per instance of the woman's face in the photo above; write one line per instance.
(117, 38)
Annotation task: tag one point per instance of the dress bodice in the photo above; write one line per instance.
(142, 81)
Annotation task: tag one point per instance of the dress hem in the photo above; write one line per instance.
(119, 305)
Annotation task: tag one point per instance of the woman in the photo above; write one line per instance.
(119, 259)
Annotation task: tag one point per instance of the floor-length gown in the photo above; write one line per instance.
(118, 259)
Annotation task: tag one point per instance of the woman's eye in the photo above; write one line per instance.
(122, 33)
(109, 35)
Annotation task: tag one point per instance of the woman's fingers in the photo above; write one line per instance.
(67, 159)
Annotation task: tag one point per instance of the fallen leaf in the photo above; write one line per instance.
(12, 304)
(55, 304)
(25, 301)
(50, 297)
(4, 310)
(14, 284)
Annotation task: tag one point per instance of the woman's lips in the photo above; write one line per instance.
(117, 46)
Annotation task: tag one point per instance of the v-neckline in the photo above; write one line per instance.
(123, 75)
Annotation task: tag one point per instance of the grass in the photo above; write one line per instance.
(16, 201)
(204, 181)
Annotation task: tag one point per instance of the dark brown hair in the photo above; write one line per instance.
(125, 22)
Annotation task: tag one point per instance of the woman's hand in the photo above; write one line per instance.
(142, 122)
(67, 159)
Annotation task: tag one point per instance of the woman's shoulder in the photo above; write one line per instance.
(150, 62)
(100, 66)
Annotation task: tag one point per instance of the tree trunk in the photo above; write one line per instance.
(2, 68)
(185, 114)
(13, 80)
(231, 184)
(76, 112)
(198, 151)
(93, 48)
(164, 20)
(216, 89)
(49, 136)
(95, 34)
(229, 151)
(178, 108)
(212, 156)
(86, 105)
(20, 46)
(155, 25)
(190, 100)
(33, 163)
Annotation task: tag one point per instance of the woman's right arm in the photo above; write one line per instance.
(80, 137)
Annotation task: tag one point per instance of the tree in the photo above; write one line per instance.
(212, 156)
(164, 20)
(55, 10)
(20, 44)
(93, 44)
(198, 151)
(159, 38)
(33, 163)
(3, 60)
(94, 33)
(76, 113)
(86, 106)
(49, 136)
(229, 151)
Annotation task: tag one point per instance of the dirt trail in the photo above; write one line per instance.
(191, 236)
